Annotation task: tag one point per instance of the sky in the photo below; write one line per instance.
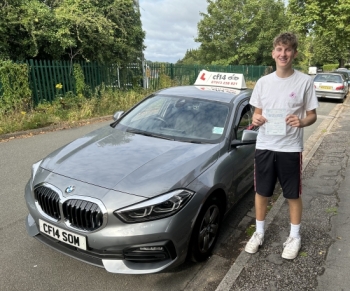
(171, 27)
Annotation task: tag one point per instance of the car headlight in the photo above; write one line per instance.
(35, 168)
(156, 208)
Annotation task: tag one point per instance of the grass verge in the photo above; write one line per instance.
(69, 109)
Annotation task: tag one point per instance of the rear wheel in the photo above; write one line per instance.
(206, 231)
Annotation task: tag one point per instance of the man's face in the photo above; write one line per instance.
(284, 55)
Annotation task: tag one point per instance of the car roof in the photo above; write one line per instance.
(220, 94)
(345, 73)
(319, 78)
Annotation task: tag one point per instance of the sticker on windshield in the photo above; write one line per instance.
(218, 130)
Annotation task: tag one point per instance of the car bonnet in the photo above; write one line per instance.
(131, 163)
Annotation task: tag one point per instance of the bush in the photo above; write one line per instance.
(15, 93)
(330, 67)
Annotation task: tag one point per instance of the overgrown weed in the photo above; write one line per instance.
(69, 109)
(72, 108)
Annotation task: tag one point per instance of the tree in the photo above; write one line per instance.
(94, 30)
(240, 31)
(191, 57)
(327, 22)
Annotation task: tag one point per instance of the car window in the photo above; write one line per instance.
(178, 118)
(335, 79)
(320, 78)
(332, 78)
(149, 109)
(344, 74)
(245, 121)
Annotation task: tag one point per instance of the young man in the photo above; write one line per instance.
(285, 102)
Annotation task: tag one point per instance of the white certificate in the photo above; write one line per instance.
(276, 121)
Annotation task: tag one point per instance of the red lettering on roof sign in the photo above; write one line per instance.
(202, 77)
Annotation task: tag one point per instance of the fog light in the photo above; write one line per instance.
(151, 252)
(151, 249)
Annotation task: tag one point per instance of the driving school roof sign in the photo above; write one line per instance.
(228, 80)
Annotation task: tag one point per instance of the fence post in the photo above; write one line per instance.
(195, 73)
(33, 83)
(40, 80)
(172, 71)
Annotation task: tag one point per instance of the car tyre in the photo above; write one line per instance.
(206, 231)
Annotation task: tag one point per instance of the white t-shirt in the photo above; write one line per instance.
(295, 94)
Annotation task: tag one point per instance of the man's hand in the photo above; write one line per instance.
(258, 119)
(294, 121)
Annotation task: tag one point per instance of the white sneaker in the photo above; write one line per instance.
(291, 248)
(254, 243)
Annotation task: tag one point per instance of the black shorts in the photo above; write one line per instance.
(284, 166)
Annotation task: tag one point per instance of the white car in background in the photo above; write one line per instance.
(331, 85)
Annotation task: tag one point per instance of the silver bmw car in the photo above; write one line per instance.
(150, 190)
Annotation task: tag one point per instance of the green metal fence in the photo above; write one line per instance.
(187, 74)
(49, 79)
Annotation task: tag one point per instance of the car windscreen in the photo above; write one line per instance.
(331, 78)
(177, 118)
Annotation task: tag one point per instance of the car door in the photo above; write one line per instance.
(241, 158)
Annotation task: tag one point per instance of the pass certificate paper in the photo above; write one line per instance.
(276, 122)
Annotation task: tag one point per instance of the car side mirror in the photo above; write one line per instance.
(248, 138)
(117, 115)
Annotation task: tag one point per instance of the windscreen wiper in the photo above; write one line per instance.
(194, 141)
(149, 134)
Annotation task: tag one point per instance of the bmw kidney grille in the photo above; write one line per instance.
(49, 201)
(80, 214)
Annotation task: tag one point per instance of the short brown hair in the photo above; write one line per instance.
(286, 38)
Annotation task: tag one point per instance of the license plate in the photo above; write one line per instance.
(62, 235)
(326, 87)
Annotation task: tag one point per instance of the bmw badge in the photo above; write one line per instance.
(69, 189)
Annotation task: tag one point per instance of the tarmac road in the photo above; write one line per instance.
(27, 264)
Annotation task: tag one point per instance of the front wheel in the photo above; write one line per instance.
(205, 232)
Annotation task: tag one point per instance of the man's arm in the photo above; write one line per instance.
(294, 121)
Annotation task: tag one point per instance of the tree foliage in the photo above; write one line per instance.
(191, 57)
(326, 23)
(93, 30)
(15, 89)
(237, 32)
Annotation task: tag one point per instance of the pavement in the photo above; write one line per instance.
(323, 263)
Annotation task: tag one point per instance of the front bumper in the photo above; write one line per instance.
(138, 248)
(131, 260)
